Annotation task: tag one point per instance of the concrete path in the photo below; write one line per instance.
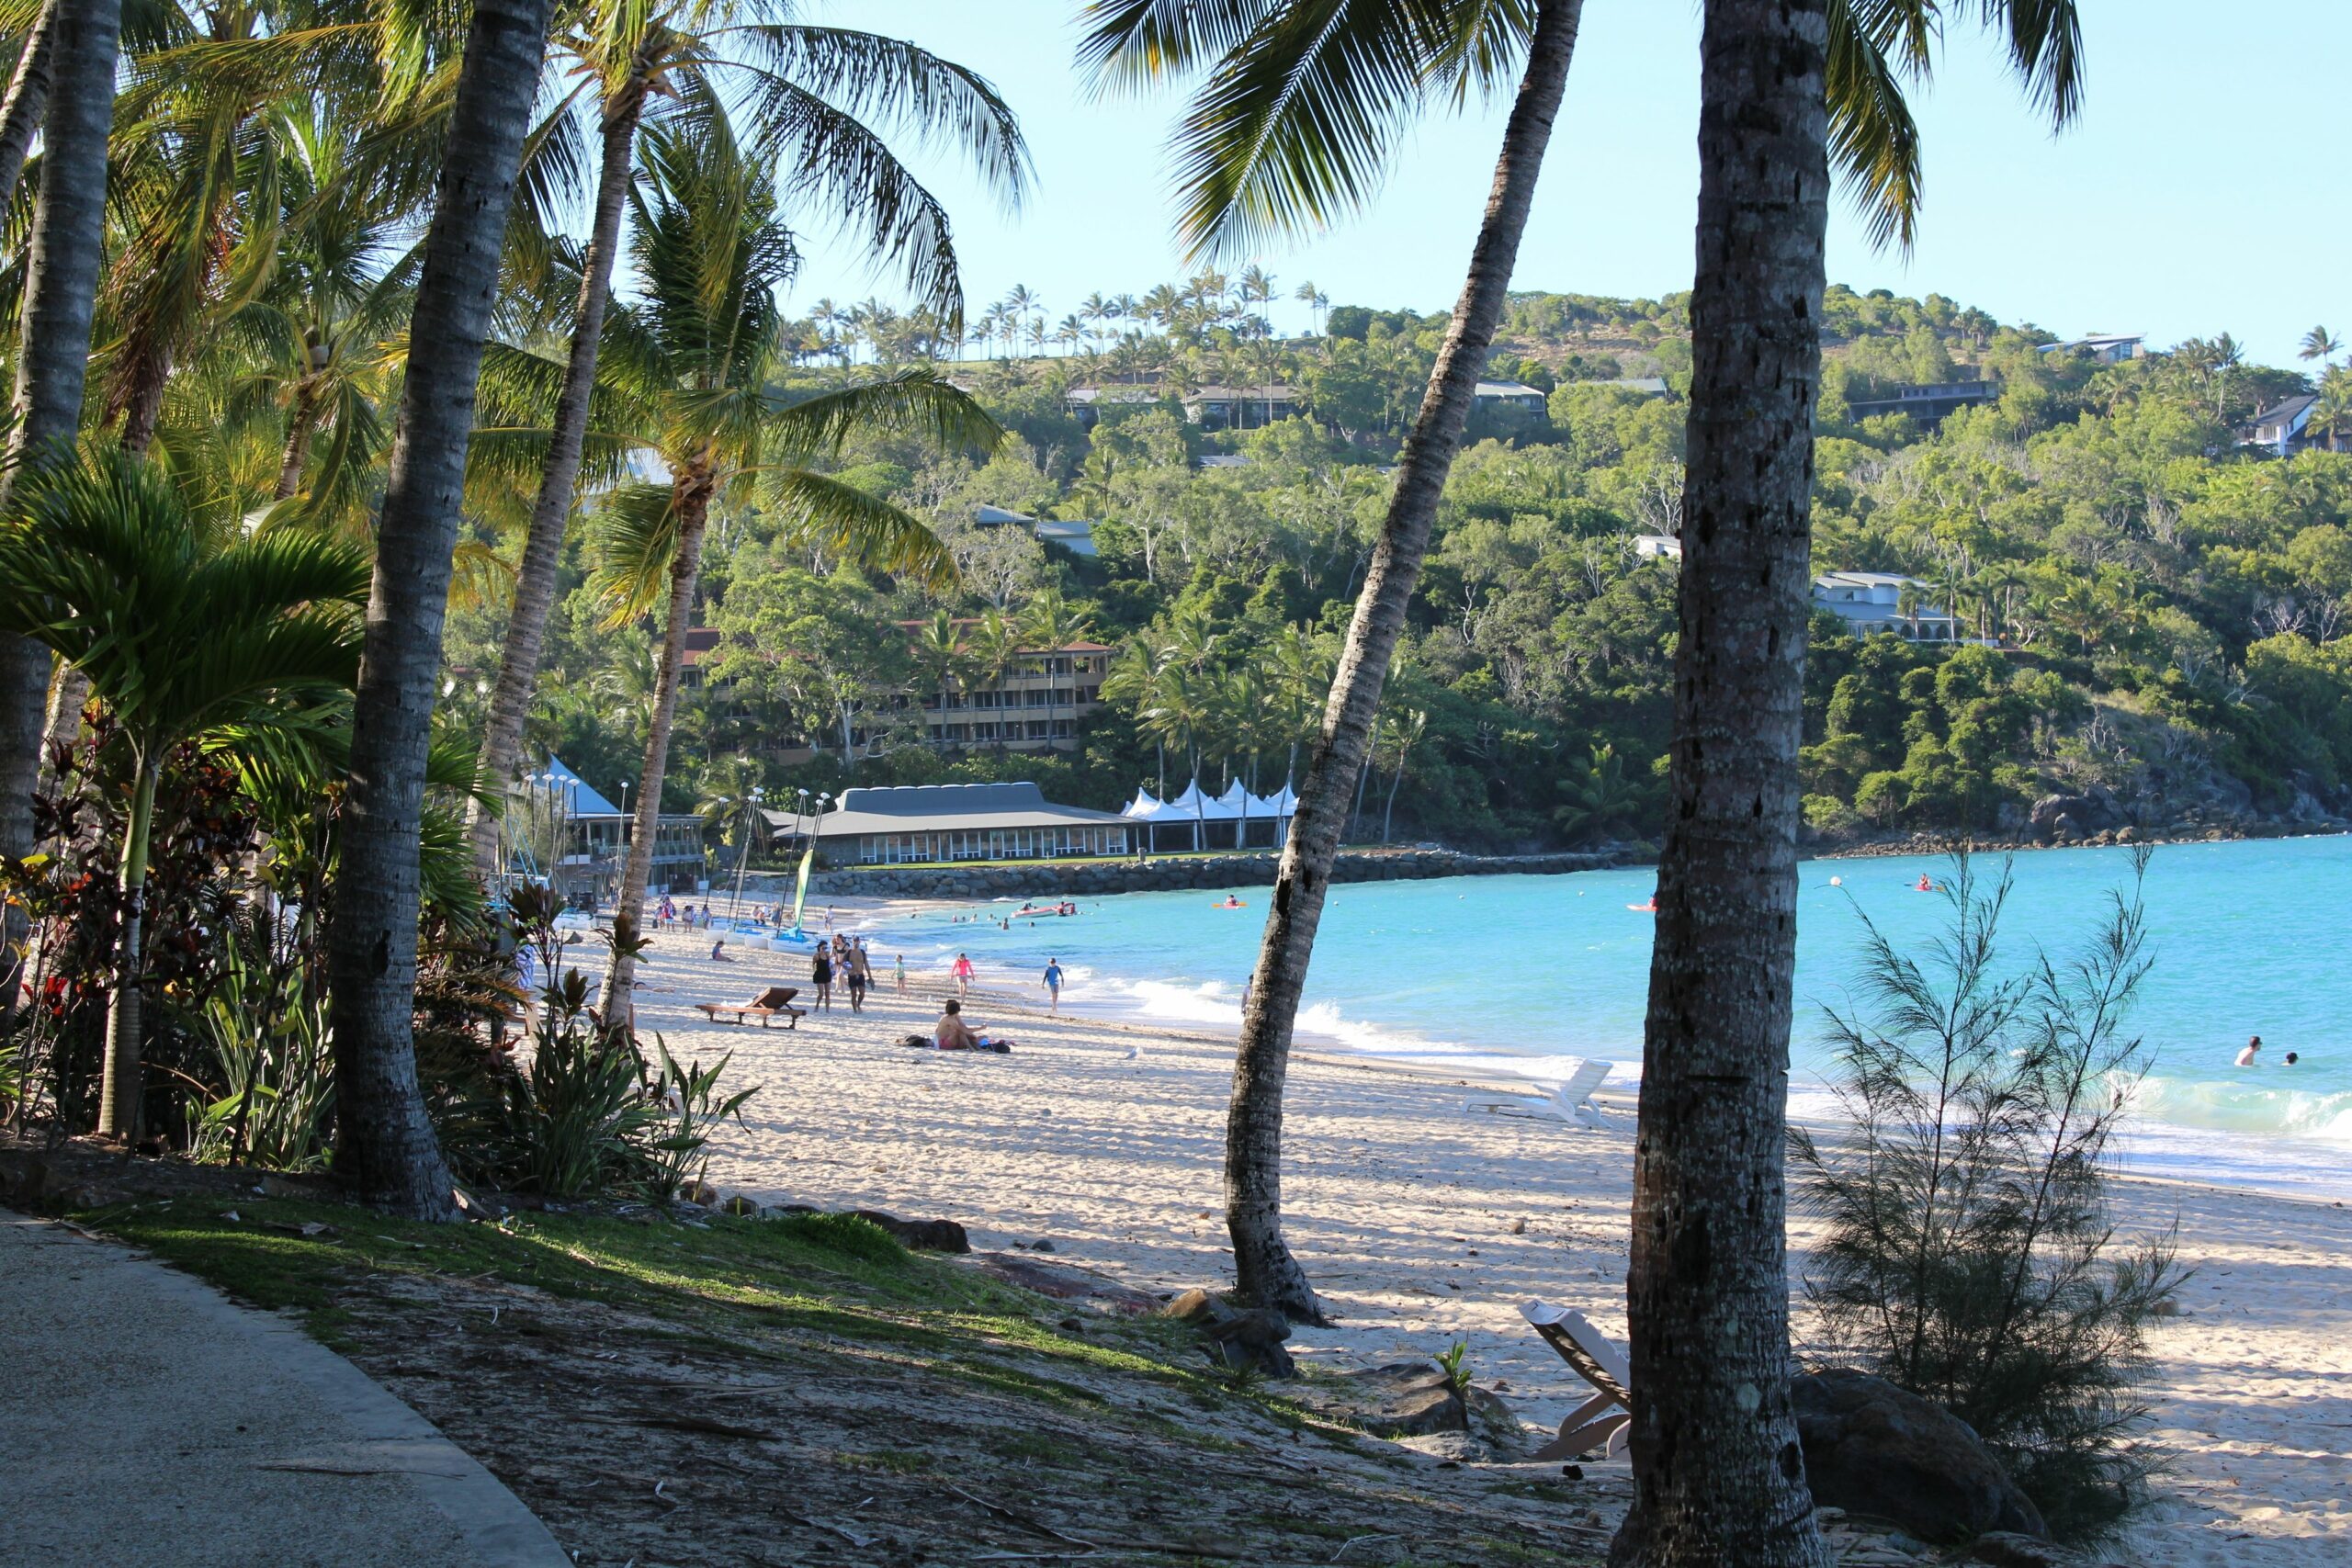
(151, 1421)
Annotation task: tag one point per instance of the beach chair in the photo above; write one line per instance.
(1571, 1101)
(1601, 1421)
(769, 1004)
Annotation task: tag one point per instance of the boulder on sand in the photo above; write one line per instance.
(1404, 1399)
(1870, 1447)
(1237, 1337)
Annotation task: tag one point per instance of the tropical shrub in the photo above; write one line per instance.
(1970, 1254)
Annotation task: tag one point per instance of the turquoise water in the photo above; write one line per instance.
(2247, 938)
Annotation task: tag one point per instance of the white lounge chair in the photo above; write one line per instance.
(1571, 1101)
(1601, 1421)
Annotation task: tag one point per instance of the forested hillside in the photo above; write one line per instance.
(2153, 608)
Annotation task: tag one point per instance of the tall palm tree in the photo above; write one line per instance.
(1303, 101)
(939, 647)
(62, 264)
(1707, 1293)
(1139, 677)
(387, 1151)
(1315, 301)
(817, 95)
(178, 634)
(2321, 344)
(689, 366)
(1302, 104)
(1051, 624)
(26, 100)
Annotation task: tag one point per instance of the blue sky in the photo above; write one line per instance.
(2201, 191)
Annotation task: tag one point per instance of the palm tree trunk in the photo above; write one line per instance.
(144, 407)
(1716, 1473)
(527, 622)
(386, 1149)
(685, 570)
(27, 101)
(1264, 1268)
(300, 426)
(61, 264)
(119, 1083)
(1388, 806)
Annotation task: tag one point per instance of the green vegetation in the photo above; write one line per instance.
(2163, 611)
(1971, 1255)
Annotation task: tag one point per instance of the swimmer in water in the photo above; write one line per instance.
(2253, 1049)
(1925, 884)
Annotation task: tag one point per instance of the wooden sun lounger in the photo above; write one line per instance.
(1571, 1101)
(769, 1004)
(1601, 1421)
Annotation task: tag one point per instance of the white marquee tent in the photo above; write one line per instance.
(1195, 811)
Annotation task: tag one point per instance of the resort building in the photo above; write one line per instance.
(1076, 536)
(1509, 394)
(1239, 408)
(2102, 348)
(1034, 702)
(1927, 403)
(560, 831)
(922, 824)
(1086, 404)
(2283, 428)
(1658, 547)
(1873, 602)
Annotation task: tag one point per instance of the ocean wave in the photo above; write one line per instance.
(2242, 1107)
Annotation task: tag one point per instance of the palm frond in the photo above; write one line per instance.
(858, 524)
(631, 537)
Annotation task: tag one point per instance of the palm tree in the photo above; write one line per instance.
(1301, 104)
(179, 634)
(1715, 1436)
(814, 91)
(1263, 157)
(1397, 737)
(387, 1153)
(1315, 301)
(62, 262)
(689, 367)
(1051, 625)
(2321, 344)
(27, 101)
(1138, 678)
(939, 647)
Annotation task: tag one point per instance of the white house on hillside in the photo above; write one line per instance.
(1873, 602)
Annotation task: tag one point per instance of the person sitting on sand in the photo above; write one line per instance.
(718, 952)
(954, 1034)
(2253, 1048)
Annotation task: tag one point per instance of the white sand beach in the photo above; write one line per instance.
(1422, 1224)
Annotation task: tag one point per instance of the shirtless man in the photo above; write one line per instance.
(954, 1034)
(2253, 1048)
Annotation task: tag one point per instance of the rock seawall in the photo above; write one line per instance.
(1170, 873)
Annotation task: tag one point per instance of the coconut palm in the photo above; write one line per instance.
(817, 95)
(1315, 301)
(179, 633)
(1050, 625)
(2321, 344)
(1707, 1293)
(26, 100)
(689, 366)
(939, 647)
(1303, 103)
(1139, 677)
(61, 264)
(388, 1153)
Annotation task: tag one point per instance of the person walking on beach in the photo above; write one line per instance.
(820, 976)
(902, 974)
(1054, 985)
(962, 971)
(2253, 1048)
(860, 975)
